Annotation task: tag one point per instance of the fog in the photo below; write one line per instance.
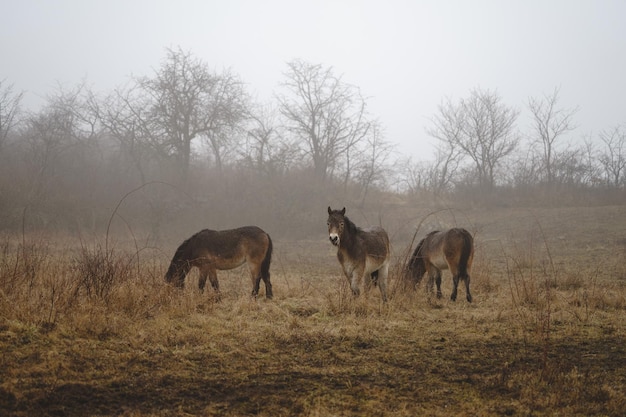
(406, 56)
(92, 143)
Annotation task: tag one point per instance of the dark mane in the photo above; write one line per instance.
(352, 228)
(182, 255)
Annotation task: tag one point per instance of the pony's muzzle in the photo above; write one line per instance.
(334, 239)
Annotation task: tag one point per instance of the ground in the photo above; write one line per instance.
(545, 334)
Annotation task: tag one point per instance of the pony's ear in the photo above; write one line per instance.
(329, 210)
(343, 211)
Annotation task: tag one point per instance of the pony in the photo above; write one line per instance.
(452, 249)
(212, 250)
(362, 253)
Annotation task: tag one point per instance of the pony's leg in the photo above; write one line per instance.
(213, 279)
(374, 278)
(181, 273)
(354, 281)
(455, 285)
(370, 281)
(367, 283)
(382, 281)
(180, 280)
(430, 284)
(468, 295)
(256, 283)
(205, 271)
(255, 275)
(438, 282)
(202, 279)
(268, 286)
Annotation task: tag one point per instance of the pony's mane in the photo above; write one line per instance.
(350, 226)
(182, 248)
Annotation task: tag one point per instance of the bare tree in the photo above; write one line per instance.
(434, 177)
(525, 169)
(372, 161)
(613, 158)
(444, 168)
(266, 149)
(550, 123)
(124, 114)
(482, 127)
(228, 108)
(327, 115)
(9, 110)
(59, 139)
(410, 175)
(190, 102)
(573, 167)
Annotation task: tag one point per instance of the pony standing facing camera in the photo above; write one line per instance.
(363, 253)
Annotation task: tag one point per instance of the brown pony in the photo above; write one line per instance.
(363, 254)
(453, 250)
(211, 250)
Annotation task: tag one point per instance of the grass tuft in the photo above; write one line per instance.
(99, 332)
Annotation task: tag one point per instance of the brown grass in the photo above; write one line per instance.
(95, 332)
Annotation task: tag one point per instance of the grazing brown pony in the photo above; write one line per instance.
(363, 254)
(453, 250)
(211, 250)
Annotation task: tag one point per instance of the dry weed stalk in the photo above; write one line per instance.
(531, 285)
(314, 348)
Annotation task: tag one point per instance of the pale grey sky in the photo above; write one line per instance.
(406, 56)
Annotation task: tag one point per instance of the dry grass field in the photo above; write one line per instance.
(92, 329)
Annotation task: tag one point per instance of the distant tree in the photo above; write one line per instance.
(228, 110)
(60, 139)
(572, 167)
(481, 127)
(324, 113)
(613, 157)
(550, 124)
(125, 115)
(265, 148)
(444, 169)
(371, 164)
(432, 176)
(526, 169)
(188, 102)
(409, 175)
(9, 110)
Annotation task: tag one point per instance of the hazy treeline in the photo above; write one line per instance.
(188, 141)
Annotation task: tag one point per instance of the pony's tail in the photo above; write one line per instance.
(265, 269)
(265, 265)
(468, 249)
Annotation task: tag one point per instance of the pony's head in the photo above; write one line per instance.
(336, 223)
(417, 267)
(176, 274)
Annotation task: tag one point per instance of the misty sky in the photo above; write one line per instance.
(406, 56)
